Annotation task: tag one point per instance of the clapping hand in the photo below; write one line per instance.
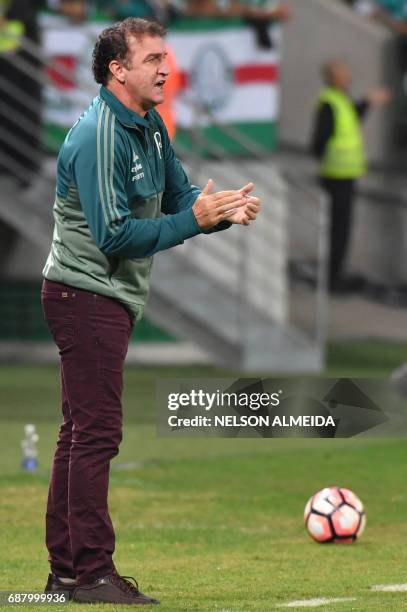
(235, 206)
(249, 211)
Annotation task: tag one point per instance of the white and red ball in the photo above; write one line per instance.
(335, 515)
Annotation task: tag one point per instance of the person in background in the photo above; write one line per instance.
(172, 88)
(163, 11)
(234, 8)
(338, 145)
(392, 13)
(20, 90)
(75, 10)
(256, 13)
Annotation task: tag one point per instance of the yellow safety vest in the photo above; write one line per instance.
(344, 156)
(11, 33)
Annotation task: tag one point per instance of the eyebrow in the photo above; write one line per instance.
(155, 55)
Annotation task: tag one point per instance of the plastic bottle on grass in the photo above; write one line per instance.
(30, 450)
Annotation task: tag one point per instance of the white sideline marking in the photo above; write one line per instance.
(389, 588)
(314, 603)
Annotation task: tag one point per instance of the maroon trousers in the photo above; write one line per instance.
(92, 334)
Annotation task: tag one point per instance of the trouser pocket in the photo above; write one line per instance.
(58, 305)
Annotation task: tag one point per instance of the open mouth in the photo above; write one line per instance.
(160, 83)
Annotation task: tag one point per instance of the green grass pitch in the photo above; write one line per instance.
(215, 524)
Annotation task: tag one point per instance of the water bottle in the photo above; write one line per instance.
(30, 450)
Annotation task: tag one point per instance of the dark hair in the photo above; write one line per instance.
(113, 44)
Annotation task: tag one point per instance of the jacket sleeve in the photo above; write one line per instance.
(323, 130)
(99, 167)
(362, 108)
(179, 194)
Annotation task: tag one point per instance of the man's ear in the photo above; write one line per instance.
(116, 68)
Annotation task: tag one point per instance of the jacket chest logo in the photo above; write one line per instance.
(158, 143)
(137, 172)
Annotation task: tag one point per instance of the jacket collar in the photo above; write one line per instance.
(123, 114)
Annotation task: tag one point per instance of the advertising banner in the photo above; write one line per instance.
(226, 79)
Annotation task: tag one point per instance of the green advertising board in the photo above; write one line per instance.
(226, 80)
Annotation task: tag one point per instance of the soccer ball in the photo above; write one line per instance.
(335, 515)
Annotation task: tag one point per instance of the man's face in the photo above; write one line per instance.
(342, 76)
(147, 71)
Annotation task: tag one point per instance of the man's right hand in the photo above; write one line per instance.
(379, 96)
(212, 208)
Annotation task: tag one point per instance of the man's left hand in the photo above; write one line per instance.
(247, 213)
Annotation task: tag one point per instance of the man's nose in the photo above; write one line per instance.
(165, 69)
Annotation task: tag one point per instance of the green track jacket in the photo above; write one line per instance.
(121, 196)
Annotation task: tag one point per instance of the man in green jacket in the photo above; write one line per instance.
(121, 196)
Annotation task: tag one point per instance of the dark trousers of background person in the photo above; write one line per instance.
(341, 194)
(92, 334)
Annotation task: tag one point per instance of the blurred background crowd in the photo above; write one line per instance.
(280, 93)
(166, 11)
